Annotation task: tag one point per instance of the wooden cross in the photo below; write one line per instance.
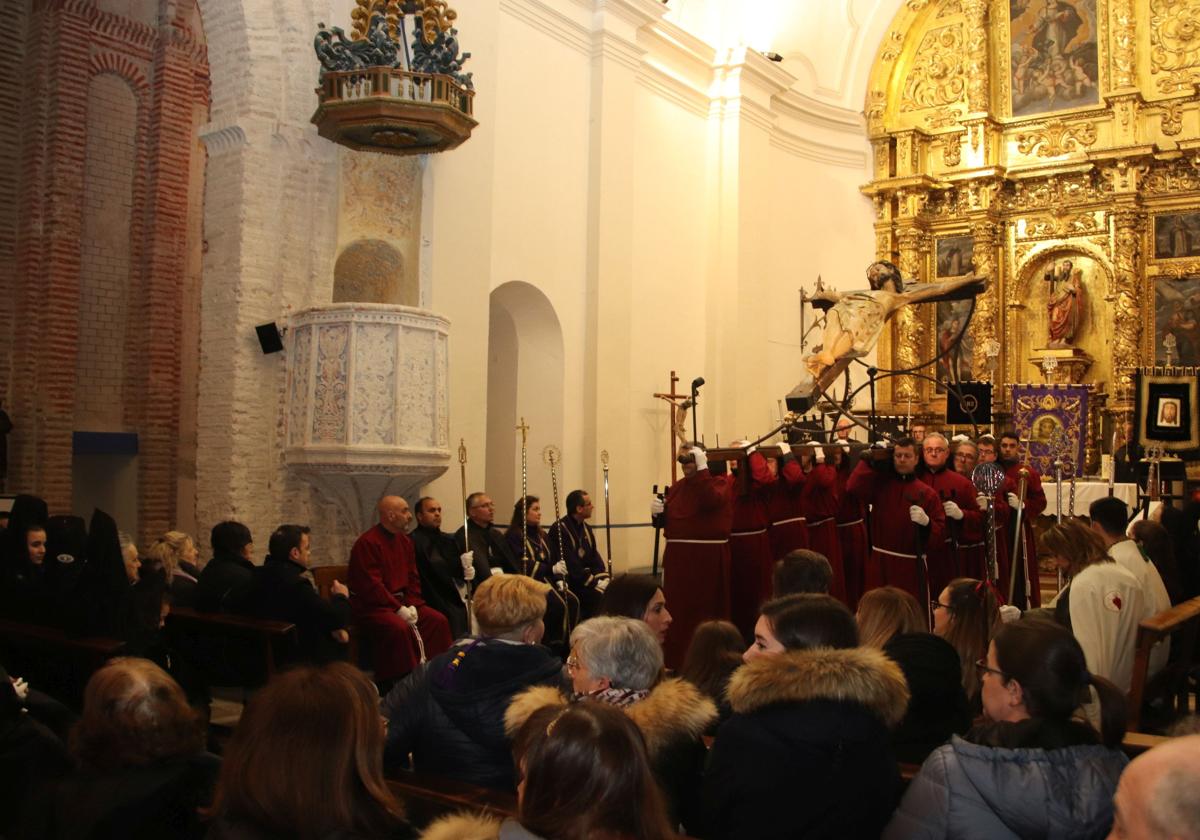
(524, 430)
(672, 398)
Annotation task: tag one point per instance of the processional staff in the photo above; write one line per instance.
(552, 456)
(1018, 537)
(462, 471)
(607, 517)
(526, 549)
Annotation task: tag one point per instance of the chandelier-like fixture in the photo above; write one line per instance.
(381, 92)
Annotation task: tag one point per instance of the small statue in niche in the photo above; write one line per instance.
(1065, 304)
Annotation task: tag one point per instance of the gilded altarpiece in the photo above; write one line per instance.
(1053, 134)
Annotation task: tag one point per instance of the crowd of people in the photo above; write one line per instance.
(823, 620)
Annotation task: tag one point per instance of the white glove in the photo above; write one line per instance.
(960, 438)
(952, 510)
(982, 500)
(409, 614)
(1009, 613)
(601, 585)
(20, 687)
(917, 514)
(881, 444)
(496, 570)
(468, 565)
(560, 568)
(657, 506)
(1013, 501)
(819, 454)
(701, 458)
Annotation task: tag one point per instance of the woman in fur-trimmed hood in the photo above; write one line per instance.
(618, 661)
(807, 751)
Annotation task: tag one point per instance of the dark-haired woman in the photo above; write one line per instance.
(713, 656)
(529, 546)
(640, 597)
(806, 752)
(585, 776)
(306, 761)
(1032, 770)
(966, 614)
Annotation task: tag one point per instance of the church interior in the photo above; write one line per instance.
(342, 262)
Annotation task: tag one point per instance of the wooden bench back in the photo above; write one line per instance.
(324, 576)
(231, 649)
(427, 797)
(60, 662)
(1181, 623)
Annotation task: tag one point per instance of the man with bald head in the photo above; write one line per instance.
(1158, 797)
(385, 596)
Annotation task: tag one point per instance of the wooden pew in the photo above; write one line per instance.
(324, 576)
(60, 662)
(427, 796)
(268, 641)
(1171, 684)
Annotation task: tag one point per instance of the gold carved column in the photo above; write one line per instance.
(1123, 300)
(910, 326)
(983, 324)
(976, 13)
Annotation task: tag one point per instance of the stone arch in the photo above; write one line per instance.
(525, 380)
(373, 271)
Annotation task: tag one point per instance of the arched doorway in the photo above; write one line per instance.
(525, 379)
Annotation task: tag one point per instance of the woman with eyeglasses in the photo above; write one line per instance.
(618, 661)
(807, 751)
(966, 614)
(1032, 769)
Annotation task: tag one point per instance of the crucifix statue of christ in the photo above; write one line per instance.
(854, 320)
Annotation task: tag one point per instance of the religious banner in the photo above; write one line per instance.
(1053, 419)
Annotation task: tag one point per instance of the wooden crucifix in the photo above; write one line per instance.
(679, 404)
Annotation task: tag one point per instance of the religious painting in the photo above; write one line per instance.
(1176, 235)
(1052, 421)
(955, 343)
(954, 254)
(1177, 321)
(1166, 411)
(1054, 60)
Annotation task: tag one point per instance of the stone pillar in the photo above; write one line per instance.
(1123, 300)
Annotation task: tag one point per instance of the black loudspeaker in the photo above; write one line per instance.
(974, 407)
(270, 339)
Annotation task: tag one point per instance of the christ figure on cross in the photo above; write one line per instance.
(854, 320)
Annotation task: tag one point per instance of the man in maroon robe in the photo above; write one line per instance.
(1035, 503)
(851, 528)
(752, 562)
(906, 516)
(784, 509)
(697, 517)
(820, 501)
(385, 596)
(964, 521)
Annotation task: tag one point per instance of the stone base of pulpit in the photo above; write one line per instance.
(1061, 365)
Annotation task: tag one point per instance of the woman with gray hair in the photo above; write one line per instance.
(618, 661)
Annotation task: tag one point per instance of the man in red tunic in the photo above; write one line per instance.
(697, 516)
(964, 522)
(787, 531)
(851, 527)
(1035, 503)
(820, 501)
(752, 563)
(385, 596)
(906, 516)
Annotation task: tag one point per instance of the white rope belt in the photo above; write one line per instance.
(748, 533)
(698, 542)
(786, 521)
(848, 524)
(971, 545)
(821, 521)
(895, 553)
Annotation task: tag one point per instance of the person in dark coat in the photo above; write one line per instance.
(227, 578)
(176, 552)
(573, 542)
(807, 751)
(22, 552)
(618, 661)
(482, 540)
(282, 591)
(1032, 769)
(143, 772)
(32, 757)
(938, 709)
(449, 712)
(445, 578)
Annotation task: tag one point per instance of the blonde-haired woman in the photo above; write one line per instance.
(175, 552)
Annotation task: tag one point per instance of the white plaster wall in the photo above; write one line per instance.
(666, 197)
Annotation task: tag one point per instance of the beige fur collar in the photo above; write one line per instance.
(463, 826)
(674, 709)
(857, 675)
